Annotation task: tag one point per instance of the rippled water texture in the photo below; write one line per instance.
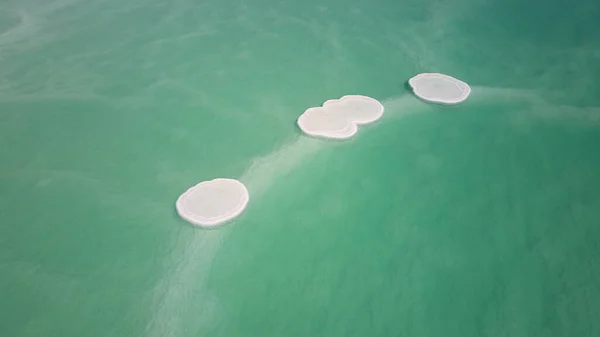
(474, 220)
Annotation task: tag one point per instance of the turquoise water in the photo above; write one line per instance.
(475, 220)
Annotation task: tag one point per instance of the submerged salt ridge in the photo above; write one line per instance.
(339, 118)
(214, 202)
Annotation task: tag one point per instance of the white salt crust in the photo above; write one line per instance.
(339, 118)
(439, 88)
(213, 202)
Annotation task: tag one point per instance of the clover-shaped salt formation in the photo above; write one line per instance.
(213, 202)
(339, 118)
(439, 88)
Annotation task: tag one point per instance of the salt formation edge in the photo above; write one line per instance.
(242, 197)
(331, 121)
(461, 85)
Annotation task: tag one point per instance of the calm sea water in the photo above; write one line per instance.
(480, 220)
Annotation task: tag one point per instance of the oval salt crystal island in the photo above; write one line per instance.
(339, 118)
(439, 88)
(213, 202)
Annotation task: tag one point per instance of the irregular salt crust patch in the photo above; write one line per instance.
(213, 202)
(439, 88)
(339, 118)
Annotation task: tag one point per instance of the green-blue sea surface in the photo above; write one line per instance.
(476, 220)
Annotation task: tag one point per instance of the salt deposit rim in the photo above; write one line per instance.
(465, 92)
(350, 125)
(243, 199)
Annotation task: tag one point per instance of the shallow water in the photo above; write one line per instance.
(474, 220)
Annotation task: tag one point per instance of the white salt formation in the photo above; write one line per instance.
(213, 202)
(439, 88)
(339, 118)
